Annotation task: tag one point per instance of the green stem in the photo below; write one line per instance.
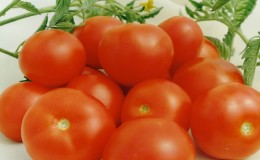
(13, 3)
(29, 14)
(15, 55)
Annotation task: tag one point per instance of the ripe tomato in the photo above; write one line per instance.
(201, 74)
(131, 53)
(225, 121)
(160, 98)
(91, 33)
(102, 88)
(90, 70)
(66, 124)
(186, 36)
(15, 100)
(149, 138)
(52, 58)
(208, 50)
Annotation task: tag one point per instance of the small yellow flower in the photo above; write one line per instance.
(148, 5)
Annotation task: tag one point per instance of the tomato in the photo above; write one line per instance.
(52, 58)
(15, 100)
(66, 124)
(225, 121)
(90, 70)
(149, 138)
(201, 74)
(102, 88)
(209, 50)
(186, 36)
(131, 53)
(160, 98)
(91, 33)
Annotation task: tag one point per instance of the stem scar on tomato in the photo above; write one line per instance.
(246, 129)
(63, 124)
(144, 108)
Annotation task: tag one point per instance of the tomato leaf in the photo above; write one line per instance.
(219, 4)
(250, 55)
(243, 9)
(27, 6)
(61, 9)
(222, 47)
(43, 25)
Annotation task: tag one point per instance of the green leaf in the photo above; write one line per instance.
(250, 55)
(219, 4)
(198, 6)
(43, 25)
(224, 50)
(243, 9)
(61, 9)
(27, 6)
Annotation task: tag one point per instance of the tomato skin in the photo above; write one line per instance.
(131, 53)
(15, 100)
(102, 88)
(160, 98)
(149, 138)
(52, 58)
(90, 70)
(208, 50)
(66, 124)
(186, 36)
(201, 74)
(91, 33)
(225, 121)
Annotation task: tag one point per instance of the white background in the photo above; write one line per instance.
(12, 35)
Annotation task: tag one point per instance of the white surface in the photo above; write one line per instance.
(13, 34)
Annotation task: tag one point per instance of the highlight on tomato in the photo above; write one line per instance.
(225, 121)
(15, 100)
(160, 98)
(131, 53)
(66, 124)
(52, 58)
(149, 138)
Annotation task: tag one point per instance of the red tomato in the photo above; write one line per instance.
(186, 36)
(91, 33)
(131, 53)
(201, 74)
(102, 88)
(52, 58)
(225, 121)
(149, 139)
(160, 98)
(208, 50)
(14, 102)
(66, 124)
(90, 70)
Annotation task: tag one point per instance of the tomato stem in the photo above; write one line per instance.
(246, 128)
(15, 55)
(13, 3)
(144, 108)
(63, 124)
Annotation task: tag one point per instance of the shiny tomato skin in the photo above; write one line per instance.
(52, 58)
(186, 36)
(208, 50)
(149, 138)
(225, 121)
(66, 124)
(15, 100)
(90, 34)
(160, 98)
(201, 74)
(90, 70)
(131, 53)
(104, 89)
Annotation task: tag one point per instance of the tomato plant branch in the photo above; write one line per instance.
(11, 5)
(15, 55)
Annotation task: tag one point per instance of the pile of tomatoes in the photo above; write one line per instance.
(116, 91)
